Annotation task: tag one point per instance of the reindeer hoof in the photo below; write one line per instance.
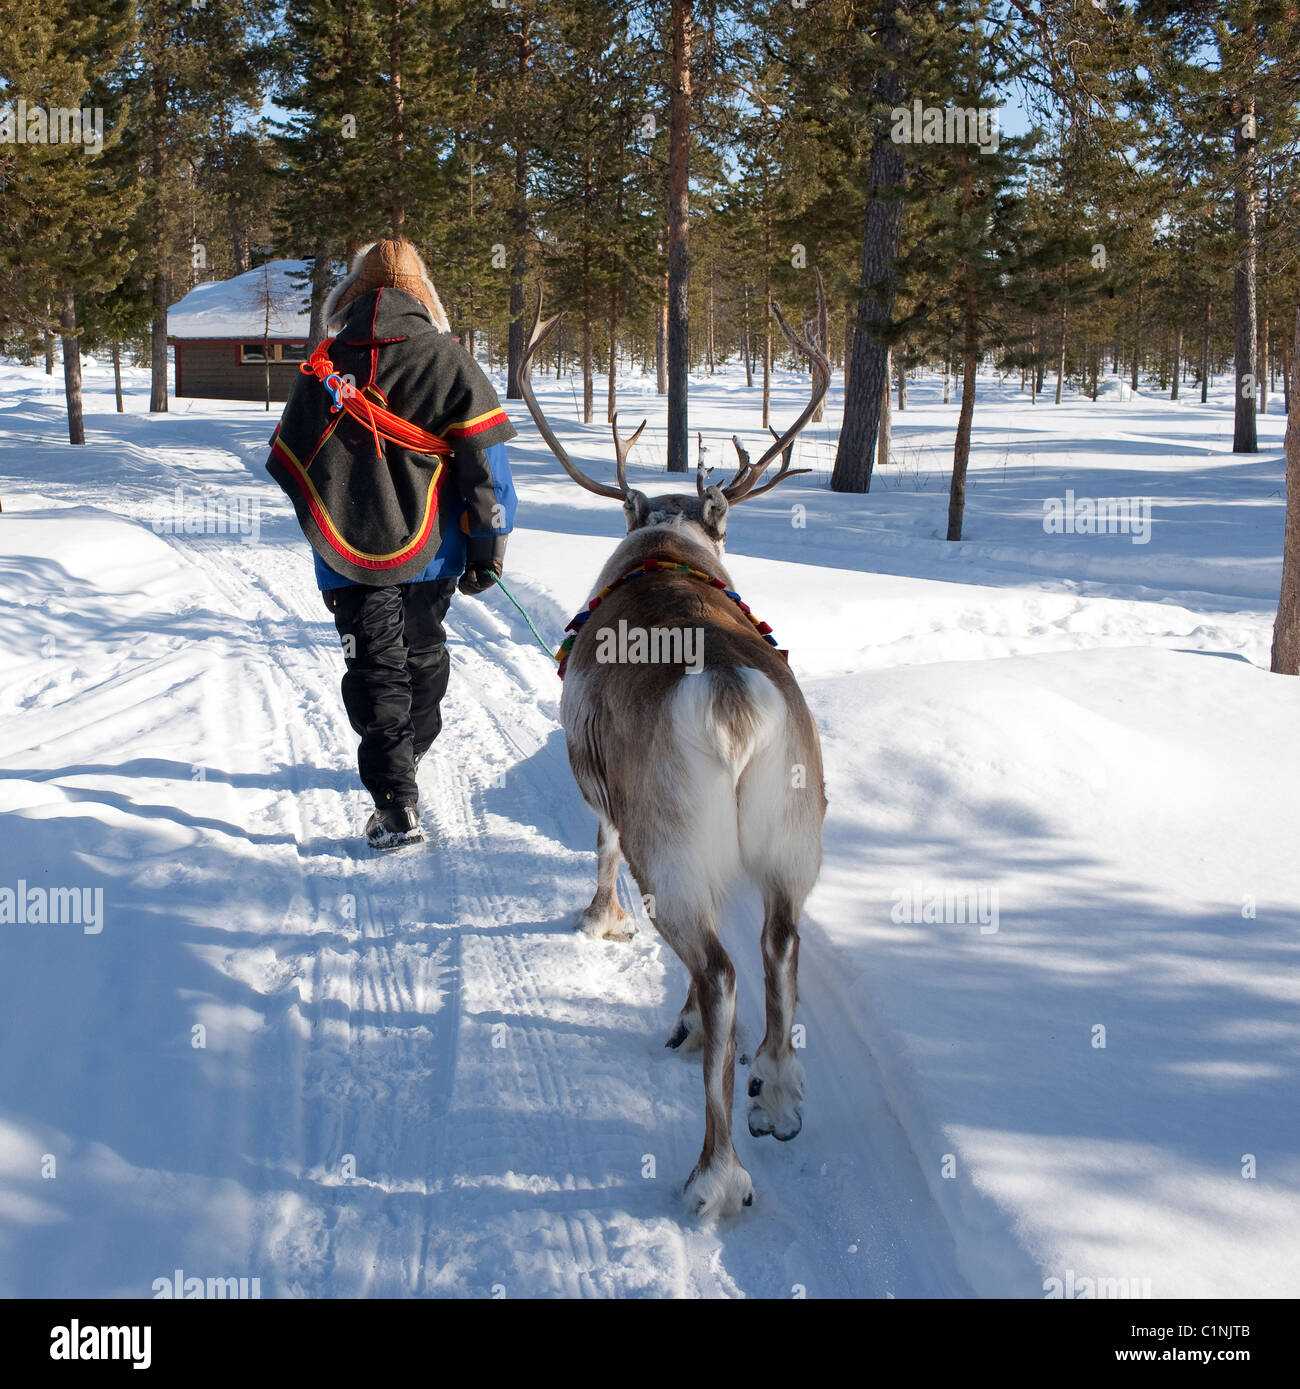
(606, 925)
(721, 1189)
(762, 1125)
(775, 1105)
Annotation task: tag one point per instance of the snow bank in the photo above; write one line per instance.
(1065, 889)
(1113, 388)
(1061, 814)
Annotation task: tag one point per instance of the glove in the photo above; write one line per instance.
(477, 578)
(483, 563)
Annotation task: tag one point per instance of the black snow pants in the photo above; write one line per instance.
(394, 645)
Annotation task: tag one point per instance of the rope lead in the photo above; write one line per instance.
(527, 619)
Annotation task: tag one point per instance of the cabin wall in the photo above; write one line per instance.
(212, 371)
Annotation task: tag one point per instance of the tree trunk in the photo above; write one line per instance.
(1205, 352)
(1263, 358)
(239, 248)
(71, 366)
(158, 345)
(519, 267)
(1244, 286)
(1060, 357)
(162, 239)
(1286, 629)
(767, 360)
(1137, 342)
(611, 397)
(397, 119)
(902, 381)
(49, 344)
(117, 376)
(588, 373)
(884, 438)
(661, 343)
(767, 316)
(882, 226)
(749, 356)
(320, 290)
(1178, 363)
(848, 348)
(708, 337)
(961, 448)
(822, 337)
(679, 265)
(1286, 376)
(1244, 438)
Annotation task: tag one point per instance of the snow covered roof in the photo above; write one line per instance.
(237, 308)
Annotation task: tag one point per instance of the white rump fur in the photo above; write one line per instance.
(335, 318)
(738, 795)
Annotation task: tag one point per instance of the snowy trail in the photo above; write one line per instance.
(345, 1074)
(417, 1079)
(483, 1064)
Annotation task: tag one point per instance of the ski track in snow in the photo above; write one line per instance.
(418, 1080)
(451, 1092)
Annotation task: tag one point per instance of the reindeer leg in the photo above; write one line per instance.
(605, 918)
(686, 1035)
(776, 1079)
(719, 1185)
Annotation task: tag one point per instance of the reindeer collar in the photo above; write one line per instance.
(657, 566)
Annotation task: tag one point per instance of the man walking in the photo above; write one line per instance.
(395, 529)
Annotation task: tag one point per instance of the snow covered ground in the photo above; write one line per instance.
(266, 1053)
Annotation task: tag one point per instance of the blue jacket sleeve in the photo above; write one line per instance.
(497, 517)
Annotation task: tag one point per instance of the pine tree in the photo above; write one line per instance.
(328, 82)
(1221, 109)
(976, 262)
(1286, 628)
(593, 178)
(193, 56)
(67, 203)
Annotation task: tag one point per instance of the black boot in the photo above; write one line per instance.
(393, 827)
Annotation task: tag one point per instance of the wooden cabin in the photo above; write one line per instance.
(226, 333)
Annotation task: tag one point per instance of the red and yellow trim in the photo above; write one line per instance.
(467, 428)
(334, 538)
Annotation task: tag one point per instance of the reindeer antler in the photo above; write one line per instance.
(621, 448)
(540, 332)
(742, 486)
(785, 471)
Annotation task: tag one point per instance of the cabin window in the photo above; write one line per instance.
(257, 353)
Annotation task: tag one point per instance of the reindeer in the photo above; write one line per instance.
(696, 777)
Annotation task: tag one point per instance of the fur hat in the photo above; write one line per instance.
(385, 264)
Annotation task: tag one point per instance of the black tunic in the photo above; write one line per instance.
(377, 521)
